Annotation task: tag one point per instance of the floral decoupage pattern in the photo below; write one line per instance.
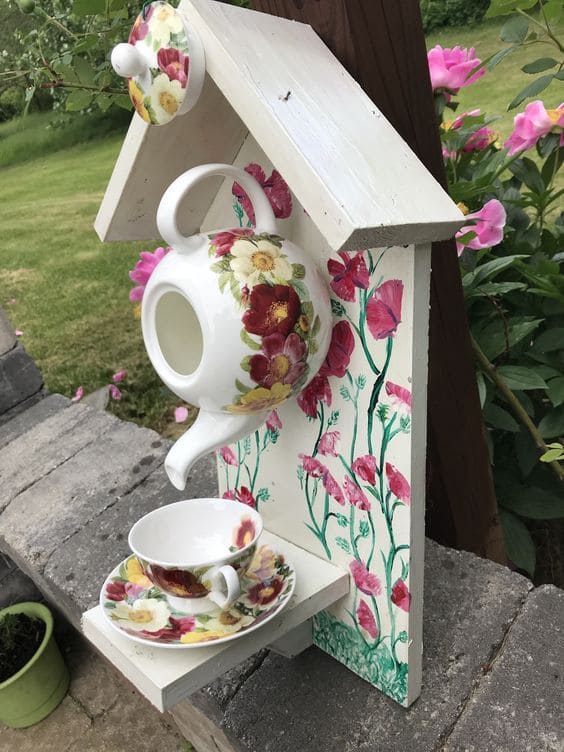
(347, 497)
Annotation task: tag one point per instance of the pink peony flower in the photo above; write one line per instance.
(453, 68)
(366, 619)
(174, 63)
(399, 486)
(228, 456)
(355, 495)
(78, 395)
(349, 275)
(180, 414)
(477, 141)
(401, 596)
(318, 390)
(223, 241)
(115, 393)
(275, 188)
(340, 350)
(366, 468)
(400, 397)
(143, 270)
(366, 581)
(333, 488)
(312, 466)
(119, 376)
(488, 226)
(328, 442)
(282, 360)
(273, 422)
(534, 123)
(383, 311)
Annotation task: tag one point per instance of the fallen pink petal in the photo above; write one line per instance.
(180, 414)
(115, 393)
(119, 376)
(18, 333)
(78, 395)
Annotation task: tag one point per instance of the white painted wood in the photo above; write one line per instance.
(167, 676)
(295, 642)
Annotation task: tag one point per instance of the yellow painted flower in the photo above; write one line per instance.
(250, 260)
(135, 573)
(228, 622)
(189, 638)
(166, 98)
(146, 614)
(138, 99)
(261, 399)
(263, 565)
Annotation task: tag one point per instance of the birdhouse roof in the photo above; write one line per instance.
(350, 170)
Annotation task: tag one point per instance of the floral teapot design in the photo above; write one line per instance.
(235, 321)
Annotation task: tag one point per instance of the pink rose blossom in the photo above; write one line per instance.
(275, 188)
(333, 488)
(312, 466)
(180, 414)
(349, 275)
(383, 311)
(328, 442)
(228, 456)
(273, 422)
(400, 396)
(534, 123)
(477, 141)
(174, 63)
(223, 241)
(399, 486)
(115, 393)
(78, 395)
(366, 619)
(401, 596)
(365, 467)
(453, 68)
(355, 495)
(143, 270)
(488, 226)
(119, 376)
(366, 581)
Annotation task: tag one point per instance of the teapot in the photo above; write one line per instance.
(235, 321)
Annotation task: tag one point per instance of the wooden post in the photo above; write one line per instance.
(381, 43)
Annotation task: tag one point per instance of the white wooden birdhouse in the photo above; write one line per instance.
(337, 474)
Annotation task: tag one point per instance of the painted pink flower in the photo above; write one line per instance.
(453, 68)
(318, 390)
(399, 485)
(228, 456)
(140, 27)
(401, 596)
(275, 188)
(230, 495)
(143, 270)
(383, 311)
(78, 395)
(133, 590)
(180, 414)
(355, 495)
(366, 581)
(115, 591)
(400, 396)
(115, 393)
(534, 123)
(223, 241)
(488, 225)
(312, 466)
(366, 619)
(174, 63)
(328, 442)
(282, 360)
(273, 422)
(340, 350)
(245, 496)
(349, 275)
(119, 376)
(365, 467)
(333, 488)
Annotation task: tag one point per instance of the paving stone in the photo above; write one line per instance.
(22, 407)
(16, 587)
(19, 378)
(103, 541)
(7, 335)
(42, 517)
(56, 733)
(95, 684)
(279, 708)
(24, 421)
(519, 705)
(42, 449)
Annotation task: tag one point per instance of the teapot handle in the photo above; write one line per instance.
(168, 207)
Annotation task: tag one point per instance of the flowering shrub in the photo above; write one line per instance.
(511, 260)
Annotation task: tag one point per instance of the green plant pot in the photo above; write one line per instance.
(35, 691)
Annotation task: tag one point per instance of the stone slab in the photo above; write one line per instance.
(7, 335)
(469, 603)
(47, 446)
(57, 733)
(22, 407)
(19, 378)
(519, 705)
(41, 518)
(103, 541)
(24, 421)
(16, 587)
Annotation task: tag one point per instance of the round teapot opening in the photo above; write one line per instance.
(178, 333)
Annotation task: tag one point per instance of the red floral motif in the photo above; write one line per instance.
(245, 497)
(273, 422)
(355, 495)
(366, 619)
(312, 466)
(340, 350)
(328, 442)
(399, 485)
(177, 628)
(365, 467)
(246, 532)
(275, 188)
(230, 495)
(401, 596)
(115, 591)
(228, 456)
(333, 488)
(265, 592)
(179, 582)
(349, 275)
(366, 581)
(272, 309)
(223, 241)
(281, 360)
(318, 390)
(383, 311)
(174, 63)
(400, 397)
(140, 27)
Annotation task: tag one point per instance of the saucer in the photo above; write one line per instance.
(141, 611)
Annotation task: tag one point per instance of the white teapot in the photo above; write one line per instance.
(235, 321)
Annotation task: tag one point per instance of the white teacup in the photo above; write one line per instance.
(196, 551)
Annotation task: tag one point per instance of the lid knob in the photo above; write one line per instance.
(127, 61)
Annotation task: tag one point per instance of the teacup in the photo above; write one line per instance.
(197, 550)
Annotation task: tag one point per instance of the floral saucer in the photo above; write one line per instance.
(141, 611)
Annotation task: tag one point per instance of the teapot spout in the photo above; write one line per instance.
(209, 432)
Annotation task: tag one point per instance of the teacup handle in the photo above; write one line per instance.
(167, 219)
(225, 585)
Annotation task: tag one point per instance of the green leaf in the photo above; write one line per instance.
(528, 172)
(553, 11)
(489, 270)
(123, 101)
(504, 7)
(84, 71)
(481, 388)
(492, 338)
(518, 542)
(343, 544)
(533, 503)
(249, 341)
(556, 390)
(246, 363)
(298, 271)
(243, 388)
(549, 340)
(78, 100)
(515, 29)
(492, 289)
(534, 88)
(496, 417)
(104, 102)
(552, 425)
(88, 7)
(539, 65)
(526, 451)
(552, 455)
(497, 57)
(520, 377)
